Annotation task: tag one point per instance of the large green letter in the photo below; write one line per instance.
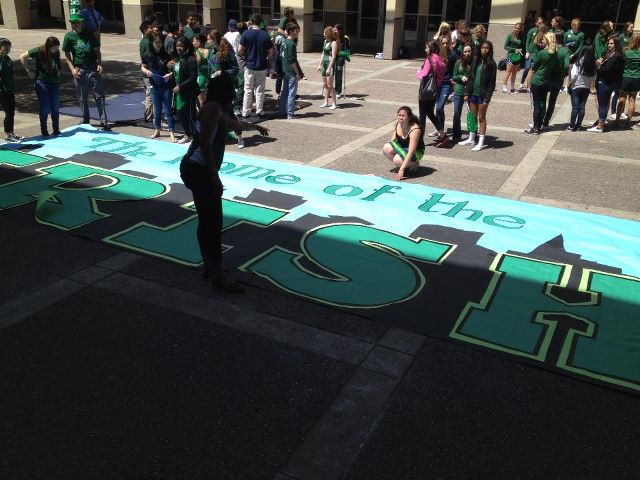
(178, 242)
(363, 267)
(70, 207)
(516, 316)
(18, 159)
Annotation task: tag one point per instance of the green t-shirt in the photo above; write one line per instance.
(511, 44)
(459, 71)
(600, 45)
(560, 70)
(144, 47)
(624, 40)
(477, 80)
(574, 42)
(544, 64)
(51, 74)
(82, 46)
(631, 63)
(530, 47)
(289, 57)
(189, 32)
(6, 74)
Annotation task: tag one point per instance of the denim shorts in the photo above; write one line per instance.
(477, 99)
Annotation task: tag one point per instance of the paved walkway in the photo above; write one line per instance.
(117, 365)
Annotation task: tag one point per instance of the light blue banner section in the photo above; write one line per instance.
(506, 225)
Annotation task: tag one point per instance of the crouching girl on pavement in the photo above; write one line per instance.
(406, 147)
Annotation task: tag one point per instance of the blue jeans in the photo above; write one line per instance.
(458, 103)
(161, 97)
(443, 94)
(287, 103)
(603, 91)
(525, 71)
(579, 98)
(90, 80)
(49, 98)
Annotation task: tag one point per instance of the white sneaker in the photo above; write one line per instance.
(324, 105)
(478, 147)
(468, 141)
(340, 95)
(594, 129)
(531, 125)
(435, 133)
(504, 89)
(612, 116)
(241, 142)
(333, 107)
(521, 87)
(185, 139)
(623, 116)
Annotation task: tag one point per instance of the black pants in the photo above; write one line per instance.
(427, 109)
(8, 103)
(554, 90)
(206, 188)
(189, 114)
(539, 95)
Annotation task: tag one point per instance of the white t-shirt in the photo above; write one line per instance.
(234, 39)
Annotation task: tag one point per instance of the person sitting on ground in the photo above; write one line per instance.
(406, 147)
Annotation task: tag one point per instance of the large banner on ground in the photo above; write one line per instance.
(551, 287)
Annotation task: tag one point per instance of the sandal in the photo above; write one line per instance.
(155, 134)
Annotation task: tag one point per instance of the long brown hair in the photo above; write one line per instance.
(45, 54)
(224, 47)
(634, 43)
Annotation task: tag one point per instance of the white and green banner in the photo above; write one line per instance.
(553, 287)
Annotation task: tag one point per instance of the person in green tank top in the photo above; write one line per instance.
(205, 67)
(326, 67)
(7, 92)
(630, 80)
(47, 81)
(514, 45)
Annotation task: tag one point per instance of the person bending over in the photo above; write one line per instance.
(406, 147)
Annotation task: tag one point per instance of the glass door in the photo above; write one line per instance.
(370, 25)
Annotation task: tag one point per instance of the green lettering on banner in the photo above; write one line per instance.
(18, 159)
(514, 317)
(605, 351)
(178, 242)
(68, 208)
(352, 256)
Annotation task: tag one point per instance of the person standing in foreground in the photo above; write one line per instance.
(255, 45)
(557, 76)
(327, 64)
(47, 81)
(199, 172)
(630, 80)
(582, 75)
(461, 72)
(7, 92)
(343, 56)
(480, 87)
(82, 51)
(292, 74)
(610, 68)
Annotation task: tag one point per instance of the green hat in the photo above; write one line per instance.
(75, 11)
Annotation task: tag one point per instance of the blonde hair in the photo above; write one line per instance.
(634, 43)
(550, 37)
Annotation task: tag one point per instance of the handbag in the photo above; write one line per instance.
(502, 65)
(428, 86)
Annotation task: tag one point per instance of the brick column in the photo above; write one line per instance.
(133, 12)
(303, 11)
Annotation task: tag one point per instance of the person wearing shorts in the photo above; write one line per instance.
(406, 147)
(327, 66)
(630, 85)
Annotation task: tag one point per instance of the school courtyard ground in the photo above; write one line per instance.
(266, 385)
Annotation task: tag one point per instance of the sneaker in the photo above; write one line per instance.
(435, 133)
(504, 89)
(333, 107)
(324, 105)
(521, 87)
(595, 129)
(105, 127)
(570, 128)
(13, 138)
(468, 141)
(479, 147)
(623, 116)
(532, 131)
(56, 133)
(531, 125)
(340, 95)
(184, 139)
(241, 143)
(612, 116)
